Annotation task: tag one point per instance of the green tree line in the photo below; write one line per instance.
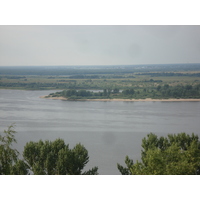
(81, 94)
(176, 154)
(154, 74)
(165, 92)
(42, 158)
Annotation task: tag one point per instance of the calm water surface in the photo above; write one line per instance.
(108, 130)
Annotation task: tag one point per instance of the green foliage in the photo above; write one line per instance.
(84, 94)
(20, 168)
(176, 154)
(9, 162)
(42, 158)
(56, 157)
(128, 92)
(126, 170)
(164, 92)
(8, 156)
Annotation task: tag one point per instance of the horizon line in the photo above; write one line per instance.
(76, 65)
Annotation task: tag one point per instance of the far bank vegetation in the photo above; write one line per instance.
(160, 92)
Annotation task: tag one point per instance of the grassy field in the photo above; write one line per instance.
(97, 78)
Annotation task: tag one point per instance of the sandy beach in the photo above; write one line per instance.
(129, 100)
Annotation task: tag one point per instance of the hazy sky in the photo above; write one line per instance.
(98, 45)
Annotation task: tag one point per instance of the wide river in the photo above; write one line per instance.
(108, 130)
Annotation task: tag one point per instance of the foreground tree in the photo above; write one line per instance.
(56, 157)
(9, 162)
(42, 157)
(172, 155)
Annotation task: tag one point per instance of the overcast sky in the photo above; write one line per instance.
(98, 45)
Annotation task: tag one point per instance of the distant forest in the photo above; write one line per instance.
(96, 69)
(122, 77)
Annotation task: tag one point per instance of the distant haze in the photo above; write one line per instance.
(98, 45)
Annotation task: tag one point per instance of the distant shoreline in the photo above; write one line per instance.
(128, 100)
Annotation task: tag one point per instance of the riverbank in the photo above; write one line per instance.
(59, 98)
(129, 100)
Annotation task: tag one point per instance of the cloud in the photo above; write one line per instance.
(98, 45)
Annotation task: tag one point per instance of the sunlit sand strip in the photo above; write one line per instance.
(147, 99)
